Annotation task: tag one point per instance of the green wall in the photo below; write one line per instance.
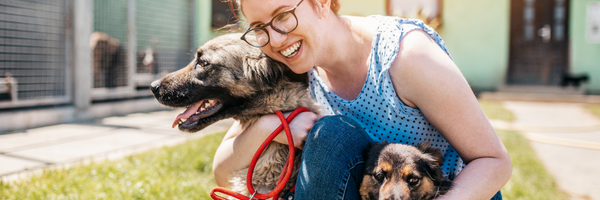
(362, 7)
(476, 33)
(585, 56)
(203, 19)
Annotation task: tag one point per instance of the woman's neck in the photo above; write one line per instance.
(349, 45)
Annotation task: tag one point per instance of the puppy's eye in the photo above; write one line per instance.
(202, 63)
(379, 176)
(413, 181)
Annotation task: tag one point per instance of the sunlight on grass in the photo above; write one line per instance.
(495, 110)
(594, 108)
(179, 172)
(529, 180)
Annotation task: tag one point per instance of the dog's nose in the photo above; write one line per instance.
(155, 85)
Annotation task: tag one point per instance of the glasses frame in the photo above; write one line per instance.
(270, 23)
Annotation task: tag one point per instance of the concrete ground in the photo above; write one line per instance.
(566, 138)
(108, 138)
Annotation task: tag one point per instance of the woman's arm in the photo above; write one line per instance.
(425, 77)
(239, 145)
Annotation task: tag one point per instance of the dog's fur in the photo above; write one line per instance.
(398, 171)
(247, 85)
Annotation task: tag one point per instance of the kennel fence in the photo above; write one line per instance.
(159, 31)
(33, 53)
(133, 42)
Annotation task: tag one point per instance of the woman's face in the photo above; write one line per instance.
(295, 49)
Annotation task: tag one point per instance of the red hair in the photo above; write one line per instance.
(335, 7)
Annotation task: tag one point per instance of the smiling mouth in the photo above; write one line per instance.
(292, 50)
(196, 112)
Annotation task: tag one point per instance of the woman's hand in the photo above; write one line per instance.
(300, 126)
(239, 145)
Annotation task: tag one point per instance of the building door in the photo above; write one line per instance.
(538, 42)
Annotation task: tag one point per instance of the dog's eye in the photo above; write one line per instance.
(202, 63)
(379, 176)
(413, 181)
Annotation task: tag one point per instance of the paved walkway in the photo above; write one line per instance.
(566, 138)
(113, 137)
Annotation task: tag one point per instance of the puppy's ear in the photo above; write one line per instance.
(262, 69)
(371, 155)
(433, 152)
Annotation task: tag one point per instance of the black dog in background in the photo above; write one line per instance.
(568, 79)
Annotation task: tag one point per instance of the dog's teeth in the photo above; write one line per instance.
(197, 112)
(202, 109)
(207, 104)
(211, 101)
(183, 119)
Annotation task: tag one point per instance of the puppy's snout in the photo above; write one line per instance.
(154, 86)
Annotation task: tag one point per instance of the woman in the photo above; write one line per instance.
(392, 79)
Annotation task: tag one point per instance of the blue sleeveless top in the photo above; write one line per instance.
(377, 108)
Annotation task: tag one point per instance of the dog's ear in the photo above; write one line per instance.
(371, 154)
(432, 151)
(262, 69)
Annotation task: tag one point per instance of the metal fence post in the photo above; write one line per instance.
(131, 45)
(82, 56)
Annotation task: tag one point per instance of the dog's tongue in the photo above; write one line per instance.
(187, 113)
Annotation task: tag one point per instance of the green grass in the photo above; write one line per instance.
(495, 110)
(529, 180)
(594, 108)
(178, 172)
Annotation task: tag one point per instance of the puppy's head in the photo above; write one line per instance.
(397, 171)
(225, 73)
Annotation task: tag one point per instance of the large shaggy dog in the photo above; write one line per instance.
(398, 171)
(229, 78)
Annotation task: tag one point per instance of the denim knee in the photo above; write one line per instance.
(332, 159)
(330, 130)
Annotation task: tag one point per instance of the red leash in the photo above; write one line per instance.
(287, 170)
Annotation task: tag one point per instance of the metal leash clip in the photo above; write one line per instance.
(288, 196)
(252, 196)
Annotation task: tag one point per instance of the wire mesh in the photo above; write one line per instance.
(109, 44)
(163, 38)
(163, 32)
(32, 48)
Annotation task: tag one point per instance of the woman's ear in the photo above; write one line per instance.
(323, 7)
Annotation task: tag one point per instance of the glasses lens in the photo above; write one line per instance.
(285, 22)
(257, 37)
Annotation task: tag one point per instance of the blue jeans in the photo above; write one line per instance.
(332, 160)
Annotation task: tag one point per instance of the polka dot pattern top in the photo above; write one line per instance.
(377, 108)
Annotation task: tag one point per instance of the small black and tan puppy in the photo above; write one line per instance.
(398, 171)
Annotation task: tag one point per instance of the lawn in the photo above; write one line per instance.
(594, 108)
(184, 172)
(529, 180)
(178, 172)
(494, 110)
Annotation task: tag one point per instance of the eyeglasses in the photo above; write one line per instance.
(284, 22)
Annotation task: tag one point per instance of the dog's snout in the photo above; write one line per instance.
(155, 85)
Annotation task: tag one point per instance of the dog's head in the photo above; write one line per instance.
(225, 73)
(397, 171)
